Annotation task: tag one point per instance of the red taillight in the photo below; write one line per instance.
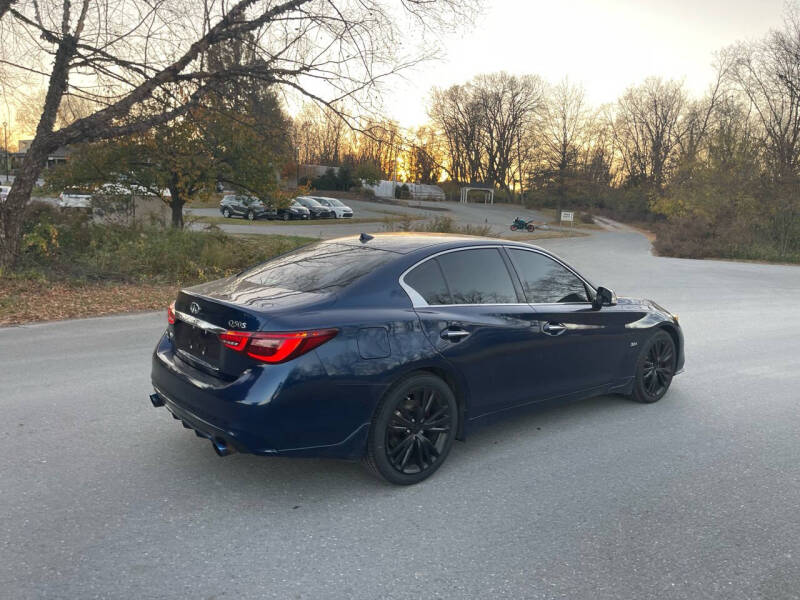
(275, 347)
(171, 314)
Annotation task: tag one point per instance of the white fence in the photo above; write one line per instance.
(418, 191)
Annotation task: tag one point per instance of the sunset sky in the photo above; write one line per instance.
(606, 45)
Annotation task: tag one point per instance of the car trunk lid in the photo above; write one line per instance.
(206, 311)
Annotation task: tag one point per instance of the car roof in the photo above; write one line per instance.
(406, 242)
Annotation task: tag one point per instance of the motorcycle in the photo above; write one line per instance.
(522, 224)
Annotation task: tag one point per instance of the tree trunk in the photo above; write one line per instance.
(44, 142)
(4, 6)
(176, 203)
(177, 213)
(12, 210)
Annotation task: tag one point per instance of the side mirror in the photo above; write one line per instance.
(604, 297)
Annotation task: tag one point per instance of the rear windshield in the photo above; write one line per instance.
(321, 267)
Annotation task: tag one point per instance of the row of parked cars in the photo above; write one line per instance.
(302, 207)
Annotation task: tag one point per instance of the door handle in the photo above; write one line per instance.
(454, 335)
(554, 328)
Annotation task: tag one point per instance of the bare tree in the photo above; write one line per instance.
(648, 127)
(509, 104)
(319, 134)
(767, 73)
(424, 156)
(564, 134)
(458, 117)
(144, 63)
(486, 124)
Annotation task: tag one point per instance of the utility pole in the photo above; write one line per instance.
(5, 132)
(297, 176)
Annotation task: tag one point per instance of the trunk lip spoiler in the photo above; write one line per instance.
(205, 325)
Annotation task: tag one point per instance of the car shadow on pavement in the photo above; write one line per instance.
(281, 479)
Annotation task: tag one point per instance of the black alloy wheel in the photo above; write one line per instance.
(226, 212)
(413, 430)
(655, 368)
(285, 216)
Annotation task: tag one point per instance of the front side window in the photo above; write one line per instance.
(545, 281)
(476, 276)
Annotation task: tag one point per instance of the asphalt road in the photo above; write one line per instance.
(697, 496)
(498, 217)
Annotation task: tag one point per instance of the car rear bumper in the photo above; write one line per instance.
(289, 409)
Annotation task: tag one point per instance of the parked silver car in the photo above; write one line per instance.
(339, 208)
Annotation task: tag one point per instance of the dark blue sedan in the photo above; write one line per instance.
(388, 348)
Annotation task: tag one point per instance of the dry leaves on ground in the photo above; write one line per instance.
(23, 301)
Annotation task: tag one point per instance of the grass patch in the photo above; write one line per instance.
(437, 225)
(71, 267)
(548, 234)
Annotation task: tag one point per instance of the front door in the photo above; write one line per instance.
(578, 348)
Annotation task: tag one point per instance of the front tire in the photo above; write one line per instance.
(413, 430)
(285, 216)
(655, 368)
(226, 213)
(251, 216)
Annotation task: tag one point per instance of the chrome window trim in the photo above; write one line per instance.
(205, 325)
(417, 301)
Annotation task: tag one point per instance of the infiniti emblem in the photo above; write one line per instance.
(194, 308)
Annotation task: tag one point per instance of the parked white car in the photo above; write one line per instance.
(74, 200)
(339, 208)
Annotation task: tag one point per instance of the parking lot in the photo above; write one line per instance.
(498, 217)
(693, 497)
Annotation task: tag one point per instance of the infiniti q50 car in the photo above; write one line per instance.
(388, 348)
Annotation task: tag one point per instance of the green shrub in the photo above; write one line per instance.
(62, 246)
(447, 225)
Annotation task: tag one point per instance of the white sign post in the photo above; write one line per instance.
(567, 215)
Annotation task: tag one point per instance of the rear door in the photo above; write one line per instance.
(473, 314)
(577, 348)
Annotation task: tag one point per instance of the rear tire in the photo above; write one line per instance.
(413, 430)
(654, 368)
(513, 228)
(251, 216)
(285, 216)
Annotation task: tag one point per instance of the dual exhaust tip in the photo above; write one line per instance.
(220, 445)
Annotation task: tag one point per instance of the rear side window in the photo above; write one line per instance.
(478, 276)
(475, 276)
(545, 281)
(321, 267)
(429, 283)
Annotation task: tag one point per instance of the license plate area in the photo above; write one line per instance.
(198, 343)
